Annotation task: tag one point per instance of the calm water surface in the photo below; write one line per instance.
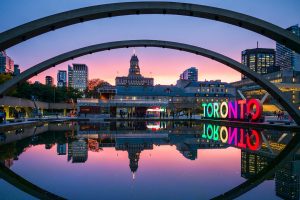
(145, 160)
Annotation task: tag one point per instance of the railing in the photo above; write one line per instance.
(123, 101)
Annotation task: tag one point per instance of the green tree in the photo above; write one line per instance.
(42, 92)
(5, 77)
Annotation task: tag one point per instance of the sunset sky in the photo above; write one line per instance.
(162, 64)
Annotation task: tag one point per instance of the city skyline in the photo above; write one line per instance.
(162, 64)
(150, 99)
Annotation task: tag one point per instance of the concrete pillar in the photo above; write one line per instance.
(27, 112)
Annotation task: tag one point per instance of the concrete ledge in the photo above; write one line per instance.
(239, 124)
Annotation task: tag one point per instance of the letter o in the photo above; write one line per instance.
(224, 104)
(223, 129)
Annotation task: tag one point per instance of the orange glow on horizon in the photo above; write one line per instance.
(163, 65)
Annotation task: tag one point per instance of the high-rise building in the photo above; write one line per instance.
(190, 74)
(287, 179)
(285, 57)
(61, 149)
(49, 80)
(260, 60)
(252, 163)
(78, 76)
(134, 77)
(62, 78)
(16, 70)
(70, 76)
(6, 63)
(79, 151)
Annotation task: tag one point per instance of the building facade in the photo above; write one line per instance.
(17, 70)
(260, 60)
(78, 76)
(184, 97)
(285, 57)
(286, 80)
(287, 182)
(134, 77)
(183, 92)
(135, 95)
(6, 63)
(49, 80)
(79, 151)
(70, 76)
(62, 78)
(190, 74)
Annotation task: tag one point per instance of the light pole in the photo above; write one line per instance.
(54, 94)
(53, 99)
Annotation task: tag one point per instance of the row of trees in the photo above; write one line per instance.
(42, 92)
(52, 94)
(46, 93)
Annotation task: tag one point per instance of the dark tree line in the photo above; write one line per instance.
(42, 92)
(46, 93)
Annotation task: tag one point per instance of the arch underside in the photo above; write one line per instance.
(284, 156)
(37, 27)
(19, 182)
(32, 29)
(260, 80)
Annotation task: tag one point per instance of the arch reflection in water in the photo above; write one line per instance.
(150, 152)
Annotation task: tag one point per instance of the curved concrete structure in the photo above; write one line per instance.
(272, 89)
(292, 147)
(24, 185)
(37, 27)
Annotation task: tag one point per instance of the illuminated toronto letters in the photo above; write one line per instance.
(234, 109)
(245, 139)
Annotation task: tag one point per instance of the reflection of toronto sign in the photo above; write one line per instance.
(242, 138)
(239, 109)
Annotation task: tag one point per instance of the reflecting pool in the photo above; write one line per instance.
(144, 160)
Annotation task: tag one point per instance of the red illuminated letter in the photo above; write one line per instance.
(258, 108)
(257, 141)
(242, 110)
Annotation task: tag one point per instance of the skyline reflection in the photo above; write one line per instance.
(143, 146)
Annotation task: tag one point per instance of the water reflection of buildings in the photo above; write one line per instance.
(135, 142)
(252, 163)
(48, 146)
(61, 149)
(78, 151)
(287, 177)
(134, 149)
(135, 137)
